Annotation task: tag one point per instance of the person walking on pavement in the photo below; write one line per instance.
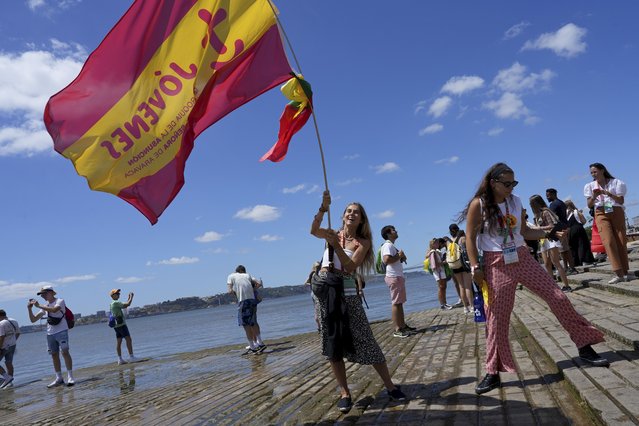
(9, 334)
(121, 328)
(242, 285)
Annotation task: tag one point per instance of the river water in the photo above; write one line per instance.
(167, 334)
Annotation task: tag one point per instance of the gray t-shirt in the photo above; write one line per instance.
(9, 328)
(242, 285)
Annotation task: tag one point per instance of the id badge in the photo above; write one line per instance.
(510, 253)
(608, 207)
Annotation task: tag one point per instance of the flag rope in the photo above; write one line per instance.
(297, 64)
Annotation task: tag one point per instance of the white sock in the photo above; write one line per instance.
(70, 374)
(58, 375)
(6, 376)
(258, 340)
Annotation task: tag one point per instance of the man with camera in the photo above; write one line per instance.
(121, 329)
(57, 332)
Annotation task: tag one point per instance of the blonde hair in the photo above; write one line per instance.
(432, 242)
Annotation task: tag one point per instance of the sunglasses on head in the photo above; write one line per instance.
(508, 184)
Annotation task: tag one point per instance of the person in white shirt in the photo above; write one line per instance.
(57, 332)
(394, 278)
(9, 333)
(243, 286)
(606, 195)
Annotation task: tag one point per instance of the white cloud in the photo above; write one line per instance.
(218, 250)
(209, 236)
(509, 105)
(349, 182)
(515, 30)
(515, 79)
(294, 189)
(312, 189)
(495, 131)
(28, 80)
(385, 214)
(451, 160)
(130, 280)
(350, 157)
(433, 128)
(35, 5)
(259, 213)
(461, 84)
(75, 278)
(566, 42)
(421, 106)
(440, 106)
(15, 291)
(175, 261)
(270, 238)
(580, 178)
(388, 167)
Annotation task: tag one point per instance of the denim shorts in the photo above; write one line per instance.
(58, 342)
(247, 312)
(7, 354)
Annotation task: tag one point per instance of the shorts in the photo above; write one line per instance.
(122, 331)
(247, 313)
(548, 244)
(58, 341)
(397, 287)
(439, 274)
(7, 354)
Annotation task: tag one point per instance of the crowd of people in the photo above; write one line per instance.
(499, 250)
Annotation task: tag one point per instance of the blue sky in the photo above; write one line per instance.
(414, 100)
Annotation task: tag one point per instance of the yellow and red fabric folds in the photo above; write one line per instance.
(165, 72)
(295, 115)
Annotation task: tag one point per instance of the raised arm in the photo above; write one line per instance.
(316, 230)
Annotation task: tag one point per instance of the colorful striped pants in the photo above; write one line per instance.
(502, 282)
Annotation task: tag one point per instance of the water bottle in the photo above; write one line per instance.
(478, 303)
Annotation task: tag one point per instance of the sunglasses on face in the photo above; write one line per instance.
(508, 184)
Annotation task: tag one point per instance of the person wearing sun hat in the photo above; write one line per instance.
(121, 329)
(57, 332)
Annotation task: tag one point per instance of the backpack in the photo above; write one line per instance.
(454, 258)
(427, 266)
(111, 322)
(380, 266)
(68, 315)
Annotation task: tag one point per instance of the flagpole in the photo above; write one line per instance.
(299, 67)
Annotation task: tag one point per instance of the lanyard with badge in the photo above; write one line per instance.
(607, 201)
(508, 248)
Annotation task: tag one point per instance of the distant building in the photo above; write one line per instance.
(101, 314)
(635, 221)
(77, 316)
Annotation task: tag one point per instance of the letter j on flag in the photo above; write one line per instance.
(165, 72)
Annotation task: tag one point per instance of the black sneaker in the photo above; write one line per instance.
(345, 404)
(566, 289)
(588, 354)
(408, 328)
(490, 382)
(397, 394)
(261, 348)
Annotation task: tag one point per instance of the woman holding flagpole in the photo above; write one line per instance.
(351, 246)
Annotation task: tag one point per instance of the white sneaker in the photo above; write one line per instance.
(466, 310)
(132, 358)
(57, 382)
(70, 381)
(615, 280)
(7, 382)
(446, 307)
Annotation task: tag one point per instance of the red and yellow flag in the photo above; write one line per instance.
(167, 71)
(295, 115)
